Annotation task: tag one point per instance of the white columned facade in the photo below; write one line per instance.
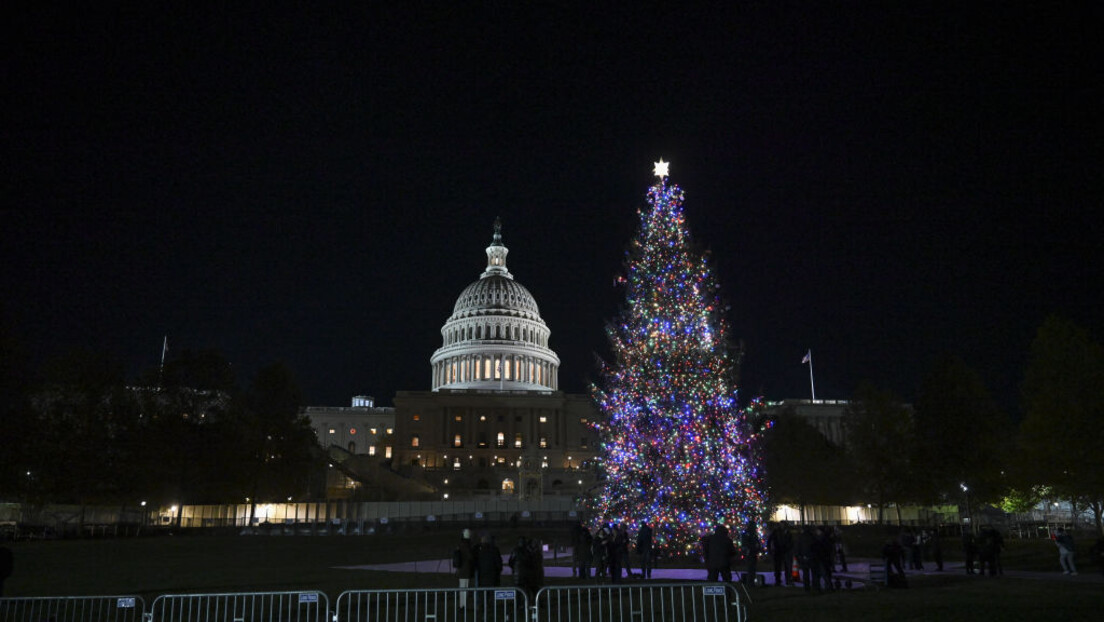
(495, 338)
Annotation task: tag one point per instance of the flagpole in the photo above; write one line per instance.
(812, 387)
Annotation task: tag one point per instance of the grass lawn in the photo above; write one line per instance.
(226, 563)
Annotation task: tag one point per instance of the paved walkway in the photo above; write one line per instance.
(858, 570)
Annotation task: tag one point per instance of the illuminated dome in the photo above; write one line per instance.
(495, 338)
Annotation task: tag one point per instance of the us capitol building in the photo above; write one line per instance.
(494, 421)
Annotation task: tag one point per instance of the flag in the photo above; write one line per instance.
(808, 358)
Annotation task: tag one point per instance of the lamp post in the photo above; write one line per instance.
(966, 490)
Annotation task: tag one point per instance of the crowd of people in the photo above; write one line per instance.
(811, 555)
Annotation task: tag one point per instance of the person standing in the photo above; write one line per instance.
(969, 550)
(780, 548)
(599, 548)
(527, 563)
(7, 562)
(464, 560)
(488, 563)
(841, 549)
(644, 548)
(749, 544)
(719, 549)
(1065, 551)
(583, 554)
(804, 552)
(1097, 553)
(936, 550)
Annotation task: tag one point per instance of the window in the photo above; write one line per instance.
(455, 464)
(517, 440)
(352, 447)
(332, 431)
(458, 418)
(501, 439)
(417, 417)
(456, 441)
(390, 430)
(543, 442)
(507, 485)
(415, 441)
(373, 430)
(387, 452)
(372, 450)
(583, 443)
(543, 419)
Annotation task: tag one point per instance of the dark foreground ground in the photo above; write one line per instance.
(1032, 589)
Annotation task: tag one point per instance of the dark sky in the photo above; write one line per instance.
(879, 184)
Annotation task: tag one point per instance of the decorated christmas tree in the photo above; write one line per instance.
(677, 451)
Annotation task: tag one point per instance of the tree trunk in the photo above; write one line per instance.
(1097, 509)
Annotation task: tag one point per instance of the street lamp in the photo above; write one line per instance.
(966, 490)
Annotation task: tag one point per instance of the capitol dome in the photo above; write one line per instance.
(495, 338)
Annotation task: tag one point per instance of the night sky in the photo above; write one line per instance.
(876, 183)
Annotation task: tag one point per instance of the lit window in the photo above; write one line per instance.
(544, 463)
(583, 420)
(456, 441)
(417, 417)
(372, 450)
(387, 452)
(415, 441)
(507, 485)
(543, 442)
(459, 418)
(544, 419)
(332, 431)
(517, 440)
(455, 466)
(501, 439)
(390, 430)
(372, 430)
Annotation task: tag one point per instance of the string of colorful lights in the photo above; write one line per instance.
(677, 451)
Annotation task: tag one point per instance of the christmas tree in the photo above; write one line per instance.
(677, 450)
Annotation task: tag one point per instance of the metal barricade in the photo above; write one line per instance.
(649, 602)
(73, 609)
(486, 604)
(309, 606)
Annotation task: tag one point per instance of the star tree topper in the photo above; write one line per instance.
(661, 168)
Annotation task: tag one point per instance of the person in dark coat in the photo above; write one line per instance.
(527, 563)
(936, 548)
(892, 556)
(1096, 553)
(7, 562)
(644, 548)
(969, 550)
(599, 549)
(780, 547)
(822, 554)
(488, 563)
(719, 550)
(465, 571)
(750, 546)
(618, 552)
(804, 552)
(584, 554)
